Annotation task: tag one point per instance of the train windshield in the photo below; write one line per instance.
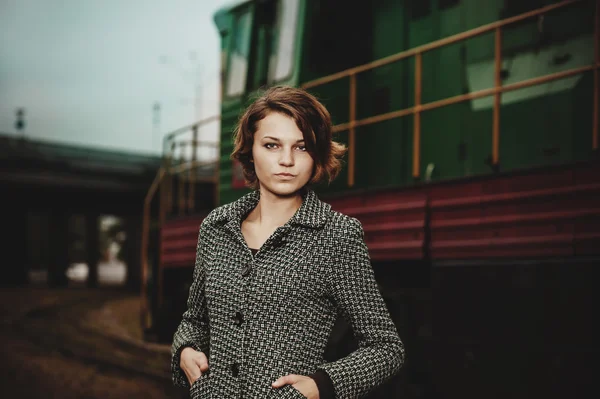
(263, 46)
(284, 40)
(240, 50)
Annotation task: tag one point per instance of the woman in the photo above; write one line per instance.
(275, 268)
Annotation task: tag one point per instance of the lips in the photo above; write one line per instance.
(285, 175)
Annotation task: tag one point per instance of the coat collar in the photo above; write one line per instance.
(313, 213)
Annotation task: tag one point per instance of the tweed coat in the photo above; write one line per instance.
(259, 317)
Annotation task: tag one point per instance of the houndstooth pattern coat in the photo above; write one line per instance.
(259, 317)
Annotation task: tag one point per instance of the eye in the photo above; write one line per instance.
(301, 147)
(270, 146)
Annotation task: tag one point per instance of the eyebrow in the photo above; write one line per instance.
(276, 139)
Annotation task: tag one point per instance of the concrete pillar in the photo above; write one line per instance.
(14, 247)
(59, 248)
(92, 247)
(132, 250)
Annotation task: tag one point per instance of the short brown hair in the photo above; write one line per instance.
(311, 117)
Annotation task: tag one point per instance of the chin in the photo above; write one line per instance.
(283, 190)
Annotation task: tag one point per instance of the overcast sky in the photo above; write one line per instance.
(89, 71)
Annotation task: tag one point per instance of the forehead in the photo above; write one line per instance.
(278, 125)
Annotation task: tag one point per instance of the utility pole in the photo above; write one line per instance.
(193, 76)
(198, 84)
(155, 123)
(198, 101)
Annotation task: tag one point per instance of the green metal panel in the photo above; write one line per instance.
(442, 130)
(383, 149)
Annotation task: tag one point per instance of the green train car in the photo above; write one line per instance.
(473, 167)
(294, 42)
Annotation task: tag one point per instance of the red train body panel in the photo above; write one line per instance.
(551, 212)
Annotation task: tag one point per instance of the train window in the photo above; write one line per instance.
(381, 100)
(340, 36)
(516, 7)
(420, 8)
(443, 4)
(282, 59)
(238, 59)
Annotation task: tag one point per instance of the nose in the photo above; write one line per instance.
(286, 157)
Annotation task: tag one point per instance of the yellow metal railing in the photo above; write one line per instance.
(180, 160)
(496, 91)
(144, 246)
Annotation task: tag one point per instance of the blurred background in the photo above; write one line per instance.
(473, 165)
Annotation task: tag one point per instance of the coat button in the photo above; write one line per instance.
(246, 270)
(235, 369)
(238, 319)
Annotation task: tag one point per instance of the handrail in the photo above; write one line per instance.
(190, 165)
(162, 184)
(497, 90)
(183, 143)
(463, 97)
(145, 240)
(184, 129)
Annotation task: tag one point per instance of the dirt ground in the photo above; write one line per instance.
(75, 343)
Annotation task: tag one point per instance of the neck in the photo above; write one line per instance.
(275, 210)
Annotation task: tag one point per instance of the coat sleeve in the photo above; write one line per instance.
(193, 330)
(380, 352)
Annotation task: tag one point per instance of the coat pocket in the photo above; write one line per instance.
(286, 392)
(199, 389)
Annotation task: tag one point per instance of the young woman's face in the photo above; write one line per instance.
(282, 164)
